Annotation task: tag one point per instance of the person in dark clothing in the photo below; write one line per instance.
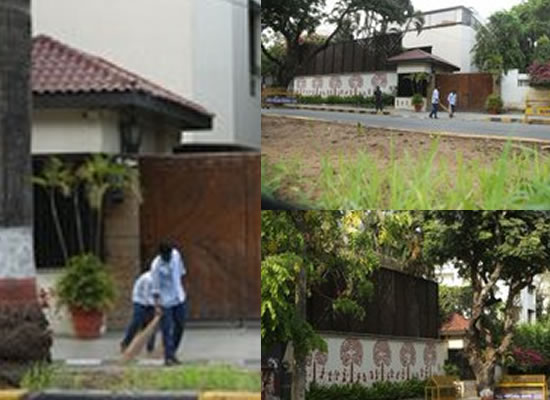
(378, 99)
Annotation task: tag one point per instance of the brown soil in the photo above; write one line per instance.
(286, 139)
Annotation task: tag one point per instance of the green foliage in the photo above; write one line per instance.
(365, 101)
(542, 51)
(417, 99)
(328, 247)
(539, 74)
(413, 388)
(494, 104)
(531, 338)
(86, 284)
(455, 299)
(451, 369)
(39, 377)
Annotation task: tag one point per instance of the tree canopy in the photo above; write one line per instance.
(296, 20)
(518, 37)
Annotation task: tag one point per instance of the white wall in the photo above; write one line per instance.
(452, 43)
(375, 359)
(197, 48)
(515, 87)
(346, 84)
(69, 131)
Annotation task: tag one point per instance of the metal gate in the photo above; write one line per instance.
(472, 89)
(209, 204)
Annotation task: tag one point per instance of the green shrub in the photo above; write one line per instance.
(86, 284)
(360, 100)
(451, 369)
(417, 99)
(531, 349)
(494, 104)
(413, 388)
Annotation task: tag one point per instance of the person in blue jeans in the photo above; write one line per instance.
(168, 271)
(143, 310)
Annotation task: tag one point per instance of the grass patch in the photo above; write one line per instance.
(517, 178)
(188, 377)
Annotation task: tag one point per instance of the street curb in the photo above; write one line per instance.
(459, 135)
(531, 121)
(229, 396)
(12, 394)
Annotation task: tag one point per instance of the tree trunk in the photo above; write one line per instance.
(299, 376)
(23, 327)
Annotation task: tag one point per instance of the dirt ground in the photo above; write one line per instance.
(290, 139)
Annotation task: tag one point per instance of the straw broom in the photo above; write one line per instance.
(137, 345)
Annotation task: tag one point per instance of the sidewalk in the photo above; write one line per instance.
(511, 117)
(235, 346)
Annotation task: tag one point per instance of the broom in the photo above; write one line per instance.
(138, 343)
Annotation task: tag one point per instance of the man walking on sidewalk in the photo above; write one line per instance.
(451, 99)
(378, 99)
(435, 103)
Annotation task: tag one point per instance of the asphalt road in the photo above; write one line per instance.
(443, 124)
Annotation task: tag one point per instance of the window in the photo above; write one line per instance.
(254, 44)
(530, 316)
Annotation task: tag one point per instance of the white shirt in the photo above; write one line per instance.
(435, 96)
(167, 279)
(142, 292)
(452, 99)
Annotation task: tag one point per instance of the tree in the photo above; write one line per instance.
(542, 50)
(455, 299)
(23, 327)
(487, 247)
(294, 20)
(301, 250)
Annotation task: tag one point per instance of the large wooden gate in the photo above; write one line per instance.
(472, 89)
(209, 204)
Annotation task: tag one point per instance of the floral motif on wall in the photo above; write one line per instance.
(301, 83)
(317, 83)
(380, 79)
(381, 355)
(430, 357)
(407, 356)
(351, 353)
(356, 82)
(318, 358)
(335, 82)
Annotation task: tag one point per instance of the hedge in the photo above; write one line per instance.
(366, 101)
(410, 389)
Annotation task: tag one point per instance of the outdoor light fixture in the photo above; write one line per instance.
(130, 133)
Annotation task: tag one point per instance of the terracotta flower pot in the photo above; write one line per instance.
(87, 324)
(418, 107)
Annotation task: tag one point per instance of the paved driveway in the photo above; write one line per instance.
(443, 124)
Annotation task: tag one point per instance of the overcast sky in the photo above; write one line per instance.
(484, 7)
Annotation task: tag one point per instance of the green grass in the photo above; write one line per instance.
(189, 377)
(518, 179)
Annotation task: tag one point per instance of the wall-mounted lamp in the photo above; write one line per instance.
(130, 135)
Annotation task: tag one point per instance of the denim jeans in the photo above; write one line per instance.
(172, 325)
(435, 107)
(141, 315)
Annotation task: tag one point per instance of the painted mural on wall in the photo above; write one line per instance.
(346, 85)
(367, 360)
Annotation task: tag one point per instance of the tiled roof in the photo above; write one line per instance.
(456, 324)
(420, 55)
(60, 69)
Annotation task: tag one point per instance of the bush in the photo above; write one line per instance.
(531, 351)
(365, 101)
(417, 99)
(451, 369)
(86, 284)
(494, 104)
(539, 74)
(413, 388)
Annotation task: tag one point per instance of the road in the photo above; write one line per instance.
(443, 124)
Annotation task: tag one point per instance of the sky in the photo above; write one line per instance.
(484, 7)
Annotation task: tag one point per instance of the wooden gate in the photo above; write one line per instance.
(209, 204)
(472, 89)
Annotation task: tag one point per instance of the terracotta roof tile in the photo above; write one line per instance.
(60, 69)
(457, 323)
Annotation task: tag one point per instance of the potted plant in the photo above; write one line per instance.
(87, 289)
(494, 104)
(417, 101)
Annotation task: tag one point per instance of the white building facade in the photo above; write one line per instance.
(205, 50)
(450, 33)
(526, 301)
